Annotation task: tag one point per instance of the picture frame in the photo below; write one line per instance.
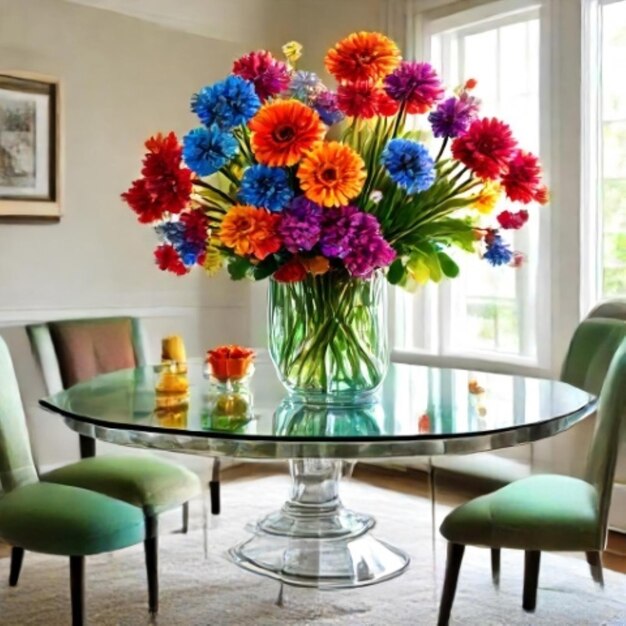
(30, 146)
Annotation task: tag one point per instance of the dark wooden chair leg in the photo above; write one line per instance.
(495, 566)
(214, 488)
(151, 549)
(453, 567)
(595, 565)
(17, 556)
(77, 589)
(185, 527)
(532, 561)
(87, 446)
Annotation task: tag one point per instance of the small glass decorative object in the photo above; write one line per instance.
(328, 336)
(229, 400)
(173, 352)
(173, 369)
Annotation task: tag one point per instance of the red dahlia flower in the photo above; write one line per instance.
(385, 105)
(512, 221)
(147, 206)
(486, 148)
(167, 259)
(358, 99)
(165, 186)
(522, 181)
(196, 225)
(291, 272)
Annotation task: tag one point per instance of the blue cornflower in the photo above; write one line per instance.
(498, 252)
(207, 150)
(171, 232)
(228, 103)
(304, 85)
(189, 251)
(409, 164)
(267, 187)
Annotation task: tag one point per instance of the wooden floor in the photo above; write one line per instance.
(450, 490)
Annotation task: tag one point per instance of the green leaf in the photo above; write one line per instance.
(436, 272)
(448, 266)
(238, 268)
(265, 268)
(396, 272)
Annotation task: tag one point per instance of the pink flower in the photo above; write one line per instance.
(268, 75)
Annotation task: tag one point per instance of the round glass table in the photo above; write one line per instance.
(314, 540)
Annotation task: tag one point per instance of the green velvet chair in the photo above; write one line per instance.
(71, 351)
(74, 350)
(50, 518)
(553, 512)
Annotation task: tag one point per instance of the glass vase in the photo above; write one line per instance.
(328, 336)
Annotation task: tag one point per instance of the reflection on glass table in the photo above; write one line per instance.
(314, 540)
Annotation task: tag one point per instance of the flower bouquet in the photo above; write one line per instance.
(332, 192)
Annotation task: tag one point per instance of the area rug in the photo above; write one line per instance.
(199, 591)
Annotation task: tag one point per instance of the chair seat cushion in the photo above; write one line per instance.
(150, 483)
(68, 521)
(544, 512)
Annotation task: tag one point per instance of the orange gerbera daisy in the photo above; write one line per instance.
(363, 56)
(283, 130)
(250, 231)
(331, 174)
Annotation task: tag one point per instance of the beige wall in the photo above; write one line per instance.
(122, 79)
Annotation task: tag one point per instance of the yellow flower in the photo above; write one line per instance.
(213, 261)
(485, 202)
(292, 51)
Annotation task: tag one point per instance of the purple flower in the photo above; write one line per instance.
(453, 116)
(368, 248)
(300, 225)
(414, 85)
(327, 108)
(336, 231)
(355, 237)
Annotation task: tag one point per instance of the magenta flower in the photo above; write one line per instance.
(336, 231)
(368, 248)
(415, 85)
(300, 225)
(268, 75)
(355, 237)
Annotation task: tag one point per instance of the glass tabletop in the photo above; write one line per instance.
(418, 411)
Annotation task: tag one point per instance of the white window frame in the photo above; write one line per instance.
(431, 318)
(592, 261)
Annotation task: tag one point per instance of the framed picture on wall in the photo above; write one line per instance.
(29, 146)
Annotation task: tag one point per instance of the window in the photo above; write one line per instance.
(485, 311)
(604, 265)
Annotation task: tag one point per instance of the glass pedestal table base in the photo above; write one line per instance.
(313, 541)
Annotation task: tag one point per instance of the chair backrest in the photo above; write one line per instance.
(70, 351)
(591, 351)
(609, 432)
(615, 309)
(16, 460)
